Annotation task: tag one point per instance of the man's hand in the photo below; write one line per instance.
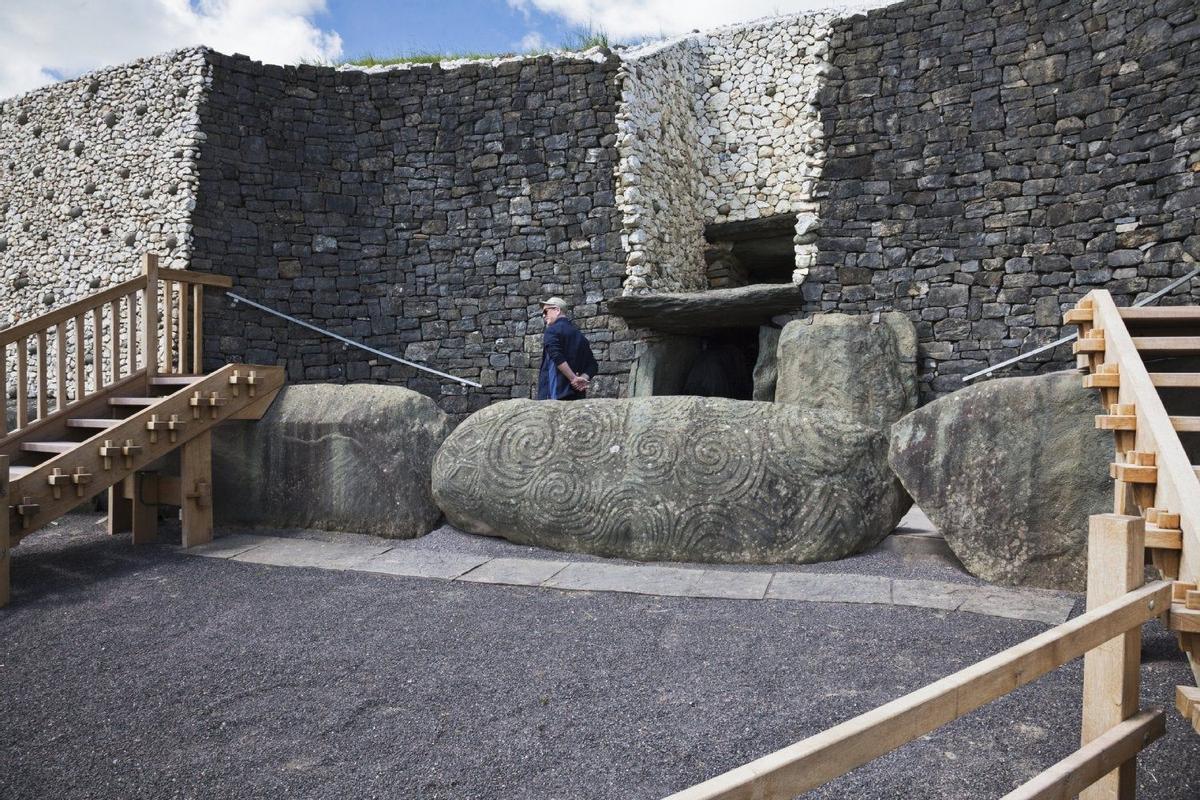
(580, 383)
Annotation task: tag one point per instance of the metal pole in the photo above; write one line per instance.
(1143, 302)
(237, 298)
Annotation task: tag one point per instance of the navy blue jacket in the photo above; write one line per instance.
(561, 342)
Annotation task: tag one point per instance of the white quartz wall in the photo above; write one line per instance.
(95, 172)
(719, 127)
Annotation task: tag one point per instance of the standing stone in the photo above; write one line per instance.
(663, 366)
(766, 366)
(347, 458)
(864, 365)
(671, 478)
(1009, 471)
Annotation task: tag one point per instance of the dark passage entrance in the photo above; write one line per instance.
(751, 251)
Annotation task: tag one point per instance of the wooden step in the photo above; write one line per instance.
(136, 402)
(84, 422)
(1164, 315)
(15, 472)
(1176, 345)
(176, 380)
(1186, 424)
(49, 447)
(1175, 380)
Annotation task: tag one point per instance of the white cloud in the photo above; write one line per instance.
(532, 41)
(631, 20)
(42, 40)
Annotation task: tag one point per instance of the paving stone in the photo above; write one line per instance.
(931, 594)
(309, 553)
(1019, 605)
(515, 571)
(589, 576)
(230, 546)
(731, 585)
(818, 588)
(422, 564)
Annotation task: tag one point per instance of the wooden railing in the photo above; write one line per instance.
(74, 353)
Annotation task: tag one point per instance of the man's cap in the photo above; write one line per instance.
(555, 301)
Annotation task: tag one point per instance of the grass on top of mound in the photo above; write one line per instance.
(577, 42)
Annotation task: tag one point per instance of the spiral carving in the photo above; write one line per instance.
(670, 478)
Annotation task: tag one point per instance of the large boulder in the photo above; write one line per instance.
(864, 365)
(671, 478)
(349, 458)
(1009, 471)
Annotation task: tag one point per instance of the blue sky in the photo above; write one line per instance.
(385, 28)
(42, 41)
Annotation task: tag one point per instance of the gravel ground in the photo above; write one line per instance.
(147, 673)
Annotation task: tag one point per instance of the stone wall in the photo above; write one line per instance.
(93, 173)
(423, 211)
(989, 163)
(720, 126)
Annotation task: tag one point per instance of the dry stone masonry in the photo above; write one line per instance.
(975, 166)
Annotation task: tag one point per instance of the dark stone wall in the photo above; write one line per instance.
(991, 162)
(421, 211)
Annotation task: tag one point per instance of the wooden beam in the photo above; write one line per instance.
(150, 313)
(1111, 672)
(1074, 774)
(120, 508)
(144, 508)
(196, 511)
(819, 759)
(1187, 700)
(5, 542)
(195, 278)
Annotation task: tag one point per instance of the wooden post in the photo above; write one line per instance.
(198, 328)
(120, 507)
(5, 556)
(150, 313)
(1116, 553)
(144, 515)
(195, 488)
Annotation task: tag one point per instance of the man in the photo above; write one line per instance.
(567, 360)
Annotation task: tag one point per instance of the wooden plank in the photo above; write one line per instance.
(198, 328)
(144, 514)
(1167, 344)
(195, 278)
(168, 320)
(1111, 672)
(97, 350)
(184, 322)
(42, 409)
(80, 366)
(819, 759)
(150, 313)
(22, 383)
(1089, 345)
(1164, 538)
(3, 391)
(1117, 747)
(1171, 315)
(1116, 422)
(131, 331)
(1187, 700)
(48, 320)
(86, 454)
(55, 425)
(114, 340)
(1183, 619)
(195, 476)
(1109, 380)
(1133, 473)
(5, 541)
(1074, 316)
(1186, 424)
(1179, 380)
(60, 366)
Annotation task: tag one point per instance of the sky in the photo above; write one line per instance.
(42, 41)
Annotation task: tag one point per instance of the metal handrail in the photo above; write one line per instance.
(1143, 302)
(237, 298)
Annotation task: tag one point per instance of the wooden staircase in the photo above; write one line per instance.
(1131, 356)
(122, 412)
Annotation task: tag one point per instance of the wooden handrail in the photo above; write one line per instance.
(53, 318)
(168, 338)
(1178, 488)
(819, 759)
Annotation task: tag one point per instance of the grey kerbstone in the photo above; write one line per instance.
(1020, 605)
(422, 564)
(599, 577)
(731, 585)
(515, 571)
(820, 588)
(229, 546)
(862, 365)
(350, 458)
(309, 553)
(1009, 472)
(931, 594)
(671, 479)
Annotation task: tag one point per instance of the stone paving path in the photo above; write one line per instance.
(1050, 608)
